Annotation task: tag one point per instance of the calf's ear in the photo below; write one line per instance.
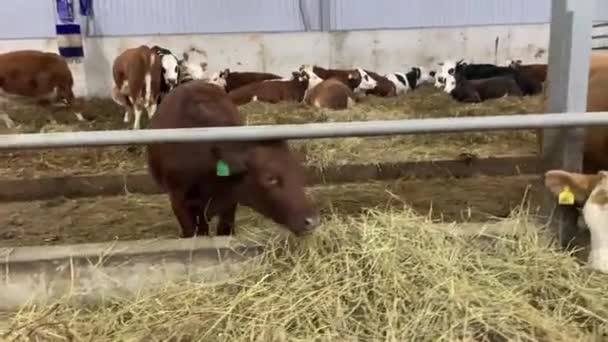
(580, 185)
(230, 159)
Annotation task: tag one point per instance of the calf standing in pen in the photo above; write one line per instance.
(137, 80)
(206, 179)
(30, 75)
(170, 70)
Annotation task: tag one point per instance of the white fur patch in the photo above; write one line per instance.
(596, 218)
(170, 68)
(367, 82)
(399, 86)
(148, 85)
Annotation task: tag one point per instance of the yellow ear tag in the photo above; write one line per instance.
(566, 197)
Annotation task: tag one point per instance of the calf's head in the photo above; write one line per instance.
(270, 179)
(194, 63)
(220, 78)
(170, 66)
(313, 79)
(592, 191)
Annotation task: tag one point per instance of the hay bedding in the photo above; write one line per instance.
(381, 276)
(425, 102)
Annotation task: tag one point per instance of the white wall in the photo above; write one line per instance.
(380, 50)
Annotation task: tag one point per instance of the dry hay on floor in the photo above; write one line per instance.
(382, 276)
(422, 103)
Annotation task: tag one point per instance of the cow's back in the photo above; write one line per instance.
(133, 64)
(331, 94)
(34, 73)
(595, 155)
(193, 104)
(237, 79)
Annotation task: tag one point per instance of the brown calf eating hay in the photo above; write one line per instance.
(206, 179)
(30, 75)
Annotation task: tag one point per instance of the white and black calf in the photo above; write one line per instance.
(416, 76)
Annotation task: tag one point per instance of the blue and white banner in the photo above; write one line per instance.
(69, 40)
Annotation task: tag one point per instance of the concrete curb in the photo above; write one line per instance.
(112, 185)
(93, 272)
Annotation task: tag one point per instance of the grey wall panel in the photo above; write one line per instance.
(378, 14)
(141, 17)
(27, 19)
(364, 14)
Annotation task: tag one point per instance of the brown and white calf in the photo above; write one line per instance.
(384, 87)
(273, 91)
(356, 79)
(137, 80)
(35, 76)
(537, 72)
(232, 80)
(590, 191)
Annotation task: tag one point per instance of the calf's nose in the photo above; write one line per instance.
(311, 222)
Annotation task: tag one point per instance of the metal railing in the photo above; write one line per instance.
(301, 131)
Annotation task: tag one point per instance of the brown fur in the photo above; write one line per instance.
(272, 91)
(350, 77)
(265, 176)
(331, 94)
(235, 80)
(536, 72)
(131, 66)
(385, 88)
(595, 153)
(35, 74)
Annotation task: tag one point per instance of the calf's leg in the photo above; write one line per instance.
(186, 214)
(225, 225)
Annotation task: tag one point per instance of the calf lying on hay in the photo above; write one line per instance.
(381, 276)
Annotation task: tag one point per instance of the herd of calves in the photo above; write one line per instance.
(143, 75)
(209, 179)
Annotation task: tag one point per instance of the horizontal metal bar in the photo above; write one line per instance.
(301, 131)
(600, 25)
(600, 36)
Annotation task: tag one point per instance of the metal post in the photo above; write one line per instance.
(569, 54)
(325, 8)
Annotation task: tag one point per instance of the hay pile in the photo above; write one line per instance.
(378, 277)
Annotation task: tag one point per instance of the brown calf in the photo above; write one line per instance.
(137, 82)
(331, 94)
(30, 75)
(383, 88)
(536, 72)
(208, 179)
(235, 79)
(595, 153)
(272, 91)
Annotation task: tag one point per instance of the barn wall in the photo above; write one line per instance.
(36, 18)
(381, 50)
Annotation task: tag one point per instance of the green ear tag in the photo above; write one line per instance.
(222, 169)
